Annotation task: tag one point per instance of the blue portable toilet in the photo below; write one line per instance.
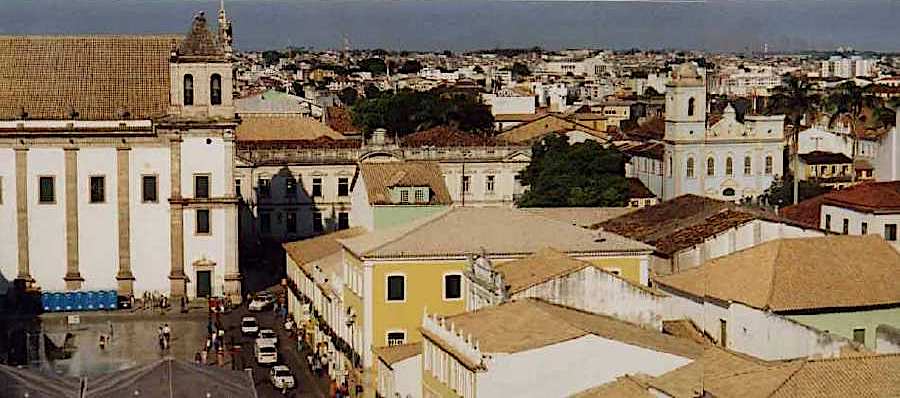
(58, 301)
(90, 300)
(80, 299)
(45, 301)
(68, 301)
(101, 299)
(112, 300)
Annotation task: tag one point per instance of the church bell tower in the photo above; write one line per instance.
(225, 37)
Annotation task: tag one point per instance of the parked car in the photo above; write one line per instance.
(261, 301)
(249, 326)
(281, 377)
(267, 336)
(266, 354)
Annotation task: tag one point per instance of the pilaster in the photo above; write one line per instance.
(124, 278)
(177, 278)
(73, 276)
(232, 270)
(24, 271)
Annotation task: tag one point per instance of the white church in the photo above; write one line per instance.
(116, 163)
(723, 159)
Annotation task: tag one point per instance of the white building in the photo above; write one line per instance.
(116, 163)
(855, 66)
(729, 159)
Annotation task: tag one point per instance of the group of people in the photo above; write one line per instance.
(215, 335)
(153, 300)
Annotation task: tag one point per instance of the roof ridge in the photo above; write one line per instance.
(780, 246)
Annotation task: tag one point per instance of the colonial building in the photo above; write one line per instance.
(116, 163)
(725, 159)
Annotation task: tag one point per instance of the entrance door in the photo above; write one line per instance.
(204, 283)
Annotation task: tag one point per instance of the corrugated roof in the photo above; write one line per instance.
(381, 177)
(98, 77)
(829, 272)
(493, 230)
(283, 129)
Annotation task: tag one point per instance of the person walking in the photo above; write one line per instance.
(167, 333)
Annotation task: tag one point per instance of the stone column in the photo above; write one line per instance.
(124, 277)
(232, 271)
(24, 271)
(73, 276)
(177, 278)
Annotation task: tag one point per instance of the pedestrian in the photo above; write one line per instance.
(167, 333)
(333, 389)
(197, 358)
(102, 342)
(209, 326)
(203, 357)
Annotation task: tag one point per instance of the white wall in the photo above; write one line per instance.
(565, 368)
(149, 228)
(361, 212)
(98, 228)
(876, 222)
(47, 222)
(9, 248)
(408, 377)
(510, 105)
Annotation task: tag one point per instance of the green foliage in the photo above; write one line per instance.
(409, 111)
(410, 67)
(348, 96)
(271, 57)
(374, 65)
(371, 91)
(793, 98)
(781, 192)
(584, 174)
(520, 70)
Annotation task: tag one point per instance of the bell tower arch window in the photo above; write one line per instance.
(188, 89)
(215, 89)
(690, 110)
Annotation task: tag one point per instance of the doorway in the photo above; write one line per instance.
(204, 283)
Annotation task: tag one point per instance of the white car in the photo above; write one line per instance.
(267, 337)
(281, 377)
(249, 325)
(261, 302)
(266, 354)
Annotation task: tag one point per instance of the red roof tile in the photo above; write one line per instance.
(443, 136)
(868, 197)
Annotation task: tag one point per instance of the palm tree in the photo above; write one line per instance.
(795, 99)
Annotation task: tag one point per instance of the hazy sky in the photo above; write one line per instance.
(466, 24)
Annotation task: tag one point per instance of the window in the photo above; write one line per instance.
(846, 227)
(148, 186)
(343, 186)
(466, 182)
(690, 168)
(420, 196)
(890, 232)
(265, 223)
(728, 192)
(489, 184)
(452, 287)
(710, 167)
(768, 165)
(237, 187)
(864, 228)
(828, 222)
(201, 186)
(690, 110)
(317, 188)
(317, 222)
(723, 333)
(404, 195)
(290, 187)
(47, 190)
(396, 288)
(188, 90)
(748, 166)
(859, 335)
(291, 221)
(215, 89)
(396, 338)
(264, 188)
(729, 166)
(343, 220)
(98, 189)
(844, 170)
(202, 221)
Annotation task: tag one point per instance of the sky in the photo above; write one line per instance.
(716, 25)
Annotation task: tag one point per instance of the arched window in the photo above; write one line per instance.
(691, 107)
(748, 166)
(728, 192)
(768, 165)
(215, 89)
(729, 166)
(188, 90)
(690, 168)
(710, 167)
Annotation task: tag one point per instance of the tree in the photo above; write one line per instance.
(410, 67)
(795, 99)
(520, 70)
(780, 193)
(348, 96)
(371, 91)
(583, 174)
(408, 111)
(271, 57)
(376, 66)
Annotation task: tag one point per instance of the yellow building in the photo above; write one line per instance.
(392, 276)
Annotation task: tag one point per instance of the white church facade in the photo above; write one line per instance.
(727, 160)
(117, 162)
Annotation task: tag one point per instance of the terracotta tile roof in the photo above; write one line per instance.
(653, 128)
(99, 77)
(381, 177)
(637, 189)
(312, 249)
(836, 271)
(821, 157)
(340, 120)
(443, 136)
(547, 124)
(652, 150)
(516, 117)
(283, 128)
(686, 328)
(688, 381)
(393, 354)
(623, 387)
(862, 164)
(868, 197)
(681, 222)
(528, 324)
(460, 231)
(580, 216)
(806, 213)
